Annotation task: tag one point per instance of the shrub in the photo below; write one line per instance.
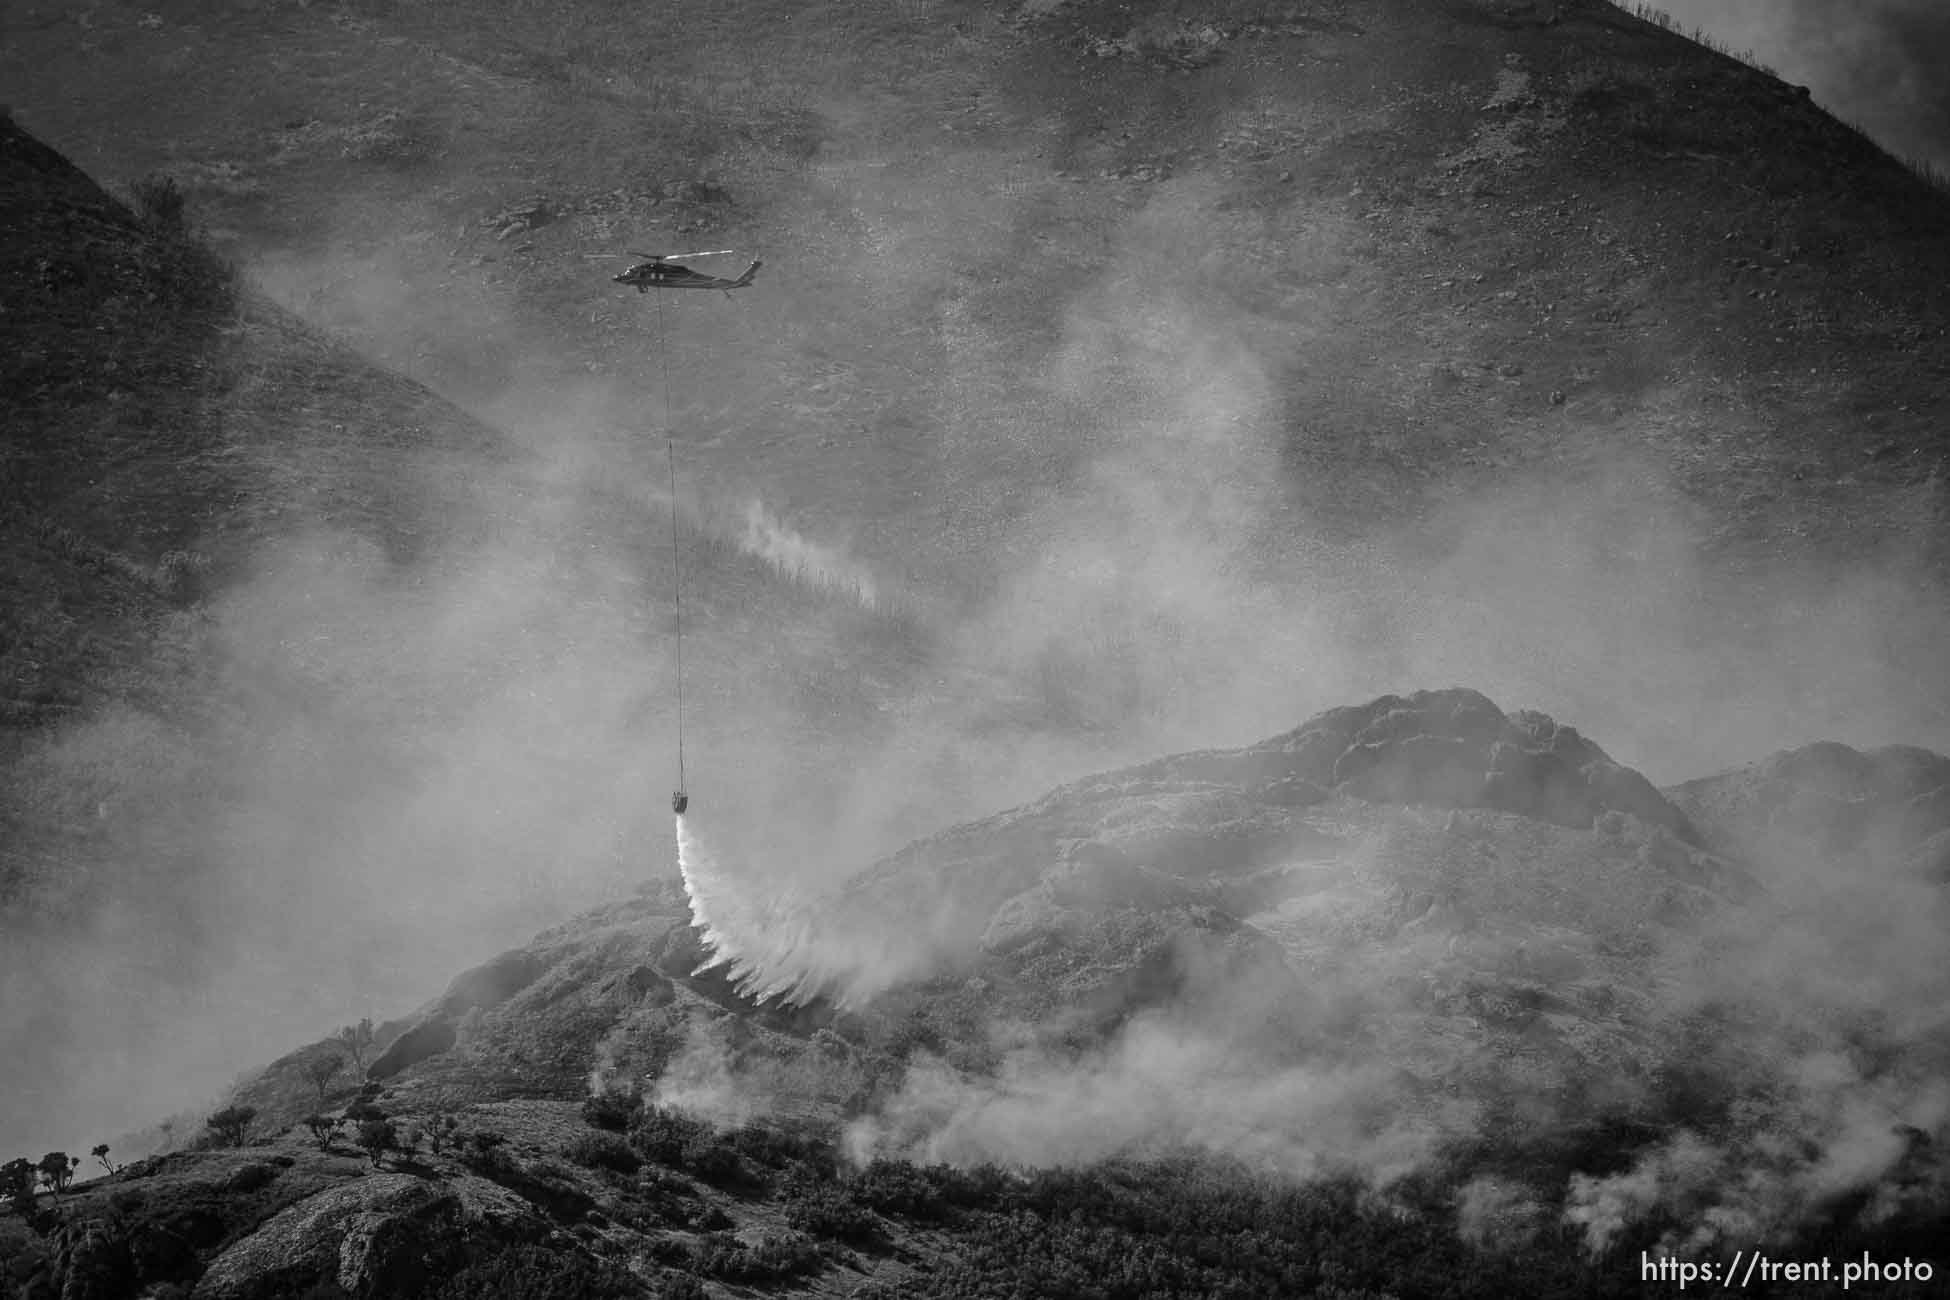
(604, 1151)
(682, 1286)
(250, 1178)
(17, 1183)
(57, 1170)
(159, 201)
(896, 1187)
(612, 1110)
(708, 1158)
(826, 1211)
(486, 1140)
(358, 1041)
(377, 1137)
(232, 1124)
(775, 1257)
(531, 1272)
(322, 1071)
(777, 1148)
(440, 1129)
(662, 1135)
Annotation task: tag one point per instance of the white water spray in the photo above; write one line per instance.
(770, 948)
(794, 556)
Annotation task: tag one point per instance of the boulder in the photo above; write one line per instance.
(388, 1233)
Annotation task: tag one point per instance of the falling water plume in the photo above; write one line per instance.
(770, 948)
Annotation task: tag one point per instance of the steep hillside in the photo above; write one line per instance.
(1453, 238)
(260, 603)
(1157, 345)
(1884, 810)
(1125, 379)
(1457, 958)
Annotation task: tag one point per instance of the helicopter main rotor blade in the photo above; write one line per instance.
(665, 257)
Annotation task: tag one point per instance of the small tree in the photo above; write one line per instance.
(17, 1179)
(159, 199)
(56, 1170)
(232, 1124)
(484, 1141)
(484, 1151)
(376, 1137)
(440, 1128)
(322, 1128)
(101, 1153)
(361, 1111)
(321, 1071)
(358, 1041)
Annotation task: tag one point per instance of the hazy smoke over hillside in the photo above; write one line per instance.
(1819, 1017)
(397, 770)
(1159, 1088)
(1876, 63)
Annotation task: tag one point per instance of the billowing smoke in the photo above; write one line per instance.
(1498, 1214)
(1159, 1088)
(419, 764)
(1809, 1048)
(700, 1082)
(1834, 1136)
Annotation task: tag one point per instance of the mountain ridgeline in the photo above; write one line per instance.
(1144, 377)
(1418, 997)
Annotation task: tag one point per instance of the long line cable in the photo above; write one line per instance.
(676, 554)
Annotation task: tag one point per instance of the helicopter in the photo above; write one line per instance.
(661, 271)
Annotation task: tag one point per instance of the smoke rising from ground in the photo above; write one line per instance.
(419, 767)
(391, 779)
(1818, 1013)
(1158, 1089)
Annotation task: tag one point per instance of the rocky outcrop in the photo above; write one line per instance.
(387, 1234)
(1217, 816)
(1891, 804)
(94, 1262)
(1451, 748)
